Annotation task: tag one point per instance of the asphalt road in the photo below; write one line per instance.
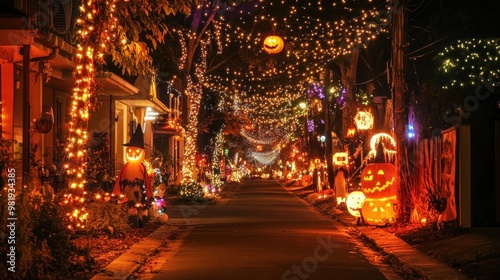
(262, 232)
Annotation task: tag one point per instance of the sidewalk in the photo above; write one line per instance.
(129, 262)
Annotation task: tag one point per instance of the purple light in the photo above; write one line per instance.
(315, 90)
(310, 125)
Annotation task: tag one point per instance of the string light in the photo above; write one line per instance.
(92, 44)
(389, 146)
(315, 32)
(194, 93)
(321, 39)
(470, 62)
(266, 157)
(216, 160)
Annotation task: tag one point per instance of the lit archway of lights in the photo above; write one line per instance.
(266, 158)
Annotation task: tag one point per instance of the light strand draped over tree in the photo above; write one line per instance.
(81, 100)
(470, 62)
(194, 42)
(106, 27)
(217, 158)
(315, 34)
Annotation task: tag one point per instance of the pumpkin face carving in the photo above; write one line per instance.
(379, 212)
(379, 184)
(378, 180)
(355, 202)
(134, 154)
(273, 44)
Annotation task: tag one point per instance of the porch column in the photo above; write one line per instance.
(25, 52)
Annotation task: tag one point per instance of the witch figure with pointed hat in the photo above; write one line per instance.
(134, 182)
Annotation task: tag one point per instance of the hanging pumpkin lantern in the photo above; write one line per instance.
(273, 44)
(355, 202)
(379, 184)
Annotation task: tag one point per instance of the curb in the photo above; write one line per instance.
(130, 261)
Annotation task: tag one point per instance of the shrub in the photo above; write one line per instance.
(43, 243)
(191, 191)
(106, 218)
(56, 255)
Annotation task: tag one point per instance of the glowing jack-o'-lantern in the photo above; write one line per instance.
(379, 212)
(273, 44)
(134, 154)
(378, 180)
(379, 184)
(355, 202)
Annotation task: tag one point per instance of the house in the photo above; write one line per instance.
(36, 78)
(156, 106)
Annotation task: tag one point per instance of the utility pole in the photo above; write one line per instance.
(399, 96)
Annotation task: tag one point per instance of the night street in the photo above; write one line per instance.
(249, 139)
(262, 232)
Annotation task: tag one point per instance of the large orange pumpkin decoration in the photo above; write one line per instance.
(379, 184)
(273, 44)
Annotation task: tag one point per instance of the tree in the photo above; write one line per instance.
(107, 29)
(197, 37)
(312, 48)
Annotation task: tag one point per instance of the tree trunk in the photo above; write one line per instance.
(348, 67)
(193, 87)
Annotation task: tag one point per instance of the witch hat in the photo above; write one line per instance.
(380, 153)
(137, 139)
